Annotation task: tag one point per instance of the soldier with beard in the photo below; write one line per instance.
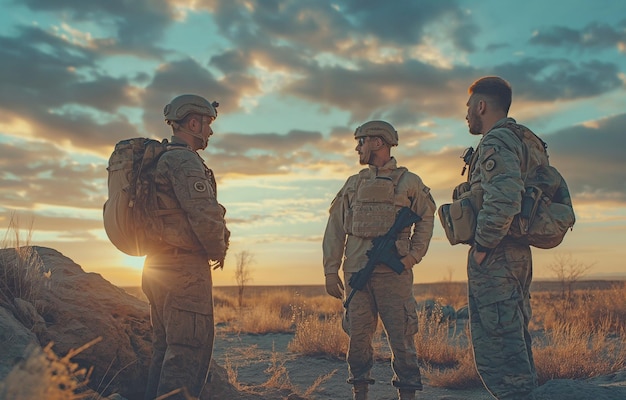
(363, 209)
(499, 267)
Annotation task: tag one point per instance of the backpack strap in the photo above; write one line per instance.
(528, 138)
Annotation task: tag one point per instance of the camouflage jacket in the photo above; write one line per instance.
(498, 173)
(184, 183)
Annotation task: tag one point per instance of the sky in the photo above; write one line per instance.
(294, 78)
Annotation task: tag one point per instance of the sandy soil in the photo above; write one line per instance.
(253, 357)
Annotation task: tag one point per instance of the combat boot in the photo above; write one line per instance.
(406, 394)
(359, 391)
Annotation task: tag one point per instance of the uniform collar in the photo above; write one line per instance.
(178, 141)
(502, 123)
(389, 166)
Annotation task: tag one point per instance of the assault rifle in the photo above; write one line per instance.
(383, 251)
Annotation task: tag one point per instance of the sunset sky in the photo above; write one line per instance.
(294, 78)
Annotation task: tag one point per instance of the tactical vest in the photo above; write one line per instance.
(374, 208)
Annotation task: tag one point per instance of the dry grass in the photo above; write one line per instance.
(320, 337)
(278, 377)
(578, 338)
(462, 376)
(44, 375)
(437, 343)
(22, 270)
(571, 351)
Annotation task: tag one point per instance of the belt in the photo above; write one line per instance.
(177, 250)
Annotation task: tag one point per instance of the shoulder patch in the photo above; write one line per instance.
(200, 186)
(489, 165)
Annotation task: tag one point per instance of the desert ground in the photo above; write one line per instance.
(259, 360)
(255, 358)
(275, 343)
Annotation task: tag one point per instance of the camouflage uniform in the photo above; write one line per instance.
(176, 276)
(499, 288)
(387, 294)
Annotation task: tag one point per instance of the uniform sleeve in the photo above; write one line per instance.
(501, 180)
(335, 234)
(424, 206)
(197, 199)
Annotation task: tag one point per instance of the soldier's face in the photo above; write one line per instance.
(206, 130)
(474, 121)
(363, 148)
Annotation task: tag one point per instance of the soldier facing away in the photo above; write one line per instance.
(365, 208)
(499, 267)
(176, 276)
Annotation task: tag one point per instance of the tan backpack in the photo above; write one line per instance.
(129, 212)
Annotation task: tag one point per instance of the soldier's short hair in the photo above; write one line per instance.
(496, 88)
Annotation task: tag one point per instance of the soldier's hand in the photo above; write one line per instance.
(334, 286)
(407, 262)
(479, 256)
(217, 264)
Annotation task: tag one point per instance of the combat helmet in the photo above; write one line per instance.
(378, 128)
(186, 104)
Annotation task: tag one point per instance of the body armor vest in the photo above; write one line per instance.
(374, 209)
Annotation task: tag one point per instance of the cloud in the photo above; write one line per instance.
(551, 79)
(359, 56)
(595, 35)
(137, 25)
(40, 173)
(272, 143)
(591, 158)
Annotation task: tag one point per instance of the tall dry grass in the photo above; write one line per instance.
(581, 338)
(21, 271)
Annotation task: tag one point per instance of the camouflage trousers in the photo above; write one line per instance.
(499, 308)
(179, 289)
(389, 296)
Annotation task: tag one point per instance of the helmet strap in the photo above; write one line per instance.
(179, 128)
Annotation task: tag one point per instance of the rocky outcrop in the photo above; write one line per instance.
(67, 307)
(76, 307)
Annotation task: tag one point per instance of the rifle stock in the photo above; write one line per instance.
(383, 251)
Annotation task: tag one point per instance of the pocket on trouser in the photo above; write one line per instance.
(501, 317)
(189, 322)
(411, 324)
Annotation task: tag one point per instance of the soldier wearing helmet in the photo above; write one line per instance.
(177, 276)
(365, 208)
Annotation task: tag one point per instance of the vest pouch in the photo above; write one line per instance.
(458, 220)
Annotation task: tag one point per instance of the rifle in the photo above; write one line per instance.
(383, 251)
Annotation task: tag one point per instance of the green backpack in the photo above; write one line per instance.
(547, 213)
(129, 212)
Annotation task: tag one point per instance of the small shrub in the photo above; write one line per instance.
(262, 319)
(320, 337)
(462, 376)
(570, 351)
(44, 375)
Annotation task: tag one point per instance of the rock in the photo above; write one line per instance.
(78, 307)
(433, 309)
(14, 340)
(30, 318)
